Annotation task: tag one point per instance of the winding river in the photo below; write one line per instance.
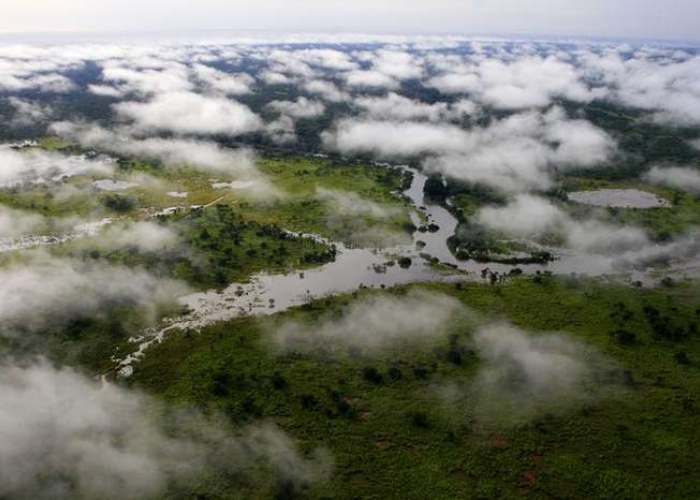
(354, 268)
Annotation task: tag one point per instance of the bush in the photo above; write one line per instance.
(371, 374)
(420, 372)
(419, 419)
(405, 262)
(278, 381)
(624, 337)
(395, 373)
(118, 203)
(308, 401)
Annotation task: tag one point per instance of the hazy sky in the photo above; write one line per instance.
(676, 19)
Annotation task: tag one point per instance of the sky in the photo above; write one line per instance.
(646, 19)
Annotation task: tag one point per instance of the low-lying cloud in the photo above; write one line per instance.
(374, 323)
(65, 438)
(47, 290)
(532, 217)
(522, 375)
(683, 178)
(190, 113)
(513, 154)
(37, 166)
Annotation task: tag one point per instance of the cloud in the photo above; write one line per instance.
(301, 108)
(397, 107)
(517, 153)
(275, 78)
(523, 375)
(455, 83)
(105, 91)
(525, 216)
(29, 113)
(348, 203)
(663, 85)
(14, 222)
(512, 154)
(396, 64)
(190, 113)
(532, 217)
(45, 290)
(38, 166)
(288, 63)
(225, 83)
(386, 138)
(282, 130)
(374, 323)
(327, 58)
(326, 90)
(370, 79)
(63, 438)
(16, 77)
(128, 80)
(527, 82)
(199, 154)
(146, 236)
(684, 178)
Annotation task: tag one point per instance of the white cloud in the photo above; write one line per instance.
(527, 82)
(399, 65)
(532, 217)
(199, 154)
(144, 81)
(15, 223)
(455, 83)
(685, 178)
(301, 108)
(48, 290)
(34, 74)
(349, 203)
(327, 90)
(190, 113)
(512, 154)
(396, 107)
(665, 86)
(29, 112)
(275, 78)
(375, 323)
(225, 83)
(39, 166)
(64, 438)
(522, 375)
(146, 236)
(386, 138)
(370, 79)
(282, 130)
(327, 58)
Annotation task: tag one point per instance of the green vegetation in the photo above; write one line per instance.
(300, 209)
(296, 205)
(388, 410)
(219, 247)
(662, 223)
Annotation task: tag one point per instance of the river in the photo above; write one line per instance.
(354, 268)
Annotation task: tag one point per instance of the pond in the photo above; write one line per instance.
(112, 185)
(622, 198)
(377, 268)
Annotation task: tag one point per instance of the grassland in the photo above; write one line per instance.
(662, 223)
(295, 205)
(394, 436)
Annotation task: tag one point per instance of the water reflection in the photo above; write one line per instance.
(355, 267)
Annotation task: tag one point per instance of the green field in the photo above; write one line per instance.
(392, 434)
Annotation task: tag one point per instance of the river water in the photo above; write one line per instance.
(354, 268)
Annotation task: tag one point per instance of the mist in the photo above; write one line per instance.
(65, 437)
